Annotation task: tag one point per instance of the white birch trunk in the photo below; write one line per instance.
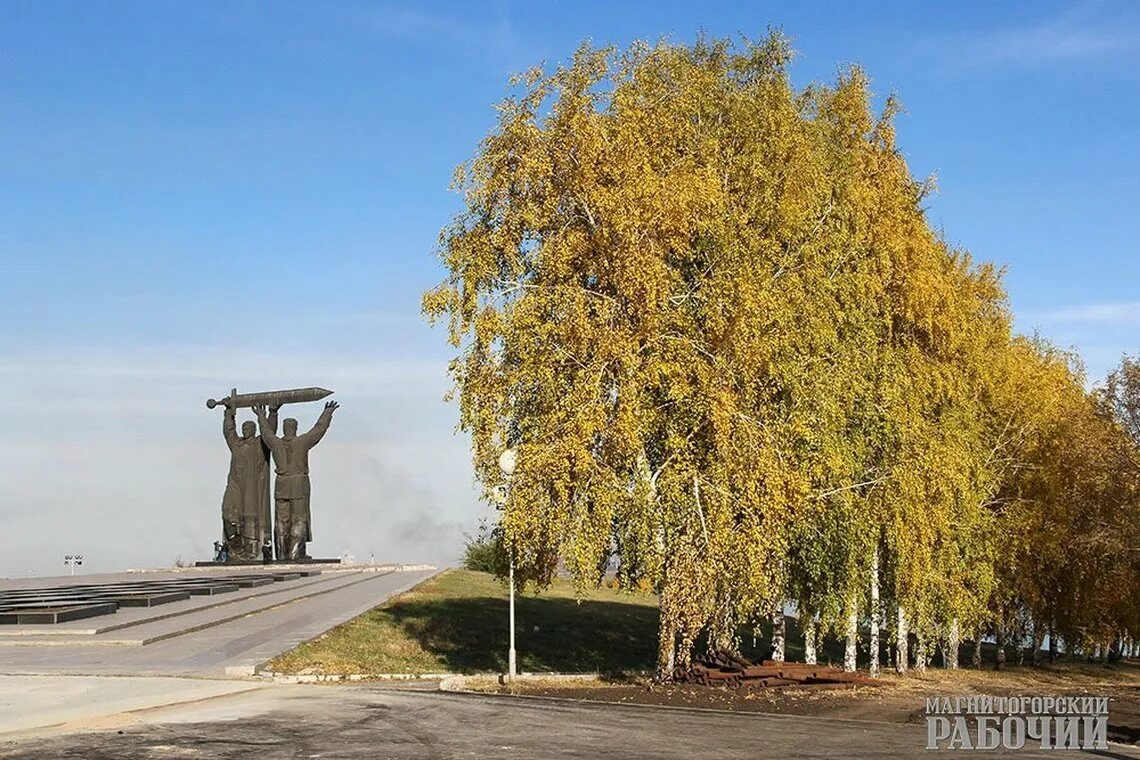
(920, 653)
(725, 637)
(901, 639)
(1038, 642)
(976, 661)
(807, 624)
(876, 615)
(852, 637)
(779, 633)
(954, 640)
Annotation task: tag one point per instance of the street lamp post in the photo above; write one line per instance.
(508, 460)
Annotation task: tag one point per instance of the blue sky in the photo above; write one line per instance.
(197, 195)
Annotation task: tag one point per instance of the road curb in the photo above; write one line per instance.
(341, 677)
(455, 682)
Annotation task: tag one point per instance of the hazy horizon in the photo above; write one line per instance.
(204, 196)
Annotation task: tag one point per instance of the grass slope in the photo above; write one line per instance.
(457, 622)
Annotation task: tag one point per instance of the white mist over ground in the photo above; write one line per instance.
(117, 458)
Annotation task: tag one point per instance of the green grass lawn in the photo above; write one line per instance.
(457, 622)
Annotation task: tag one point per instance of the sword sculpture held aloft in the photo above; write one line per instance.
(269, 398)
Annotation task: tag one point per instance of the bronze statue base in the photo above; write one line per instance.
(254, 562)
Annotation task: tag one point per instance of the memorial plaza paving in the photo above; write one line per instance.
(202, 636)
(177, 680)
(368, 721)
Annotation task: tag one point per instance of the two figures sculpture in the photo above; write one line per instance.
(246, 521)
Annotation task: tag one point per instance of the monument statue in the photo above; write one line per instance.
(293, 524)
(246, 521)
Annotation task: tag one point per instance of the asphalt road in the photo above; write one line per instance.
(303, 721)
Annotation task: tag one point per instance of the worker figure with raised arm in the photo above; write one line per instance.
(293, 522)
(246, 519)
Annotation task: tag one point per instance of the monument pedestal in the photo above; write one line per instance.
(258, 562)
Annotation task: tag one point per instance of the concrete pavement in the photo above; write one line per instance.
(210, 641)
(68, 711)
(74, 674)
(383, 722)
(75, 702)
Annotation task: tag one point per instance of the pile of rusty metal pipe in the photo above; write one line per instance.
(723, 668)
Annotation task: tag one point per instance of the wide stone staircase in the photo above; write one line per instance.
(202, 621)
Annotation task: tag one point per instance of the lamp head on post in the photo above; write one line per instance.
(508, 461)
